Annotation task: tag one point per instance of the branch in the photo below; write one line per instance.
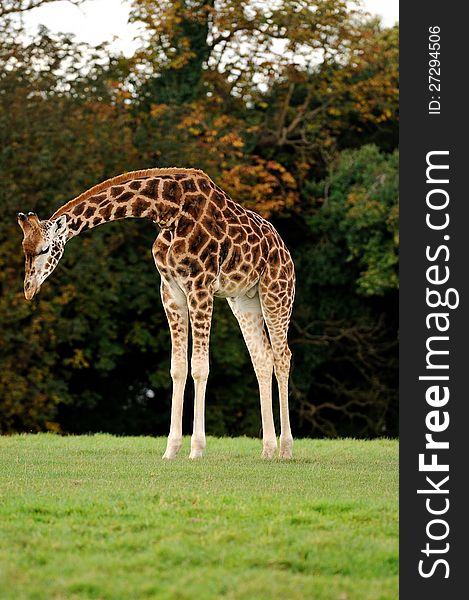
(20, 6)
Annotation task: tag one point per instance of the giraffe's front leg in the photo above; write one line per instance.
(175, 306)
(200, 313)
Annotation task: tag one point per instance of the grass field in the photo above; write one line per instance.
(104, 517)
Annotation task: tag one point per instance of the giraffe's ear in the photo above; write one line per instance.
(60, 224)
(23, 222)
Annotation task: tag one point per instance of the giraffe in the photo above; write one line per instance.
(207, 246)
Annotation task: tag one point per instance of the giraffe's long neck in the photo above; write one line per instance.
(156, 197)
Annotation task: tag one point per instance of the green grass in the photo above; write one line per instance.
(104, 517)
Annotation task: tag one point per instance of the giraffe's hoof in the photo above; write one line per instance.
(196, 453)
(286, 448)
(171, 451)
(269, 449)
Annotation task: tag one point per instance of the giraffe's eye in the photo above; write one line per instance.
(43, 251)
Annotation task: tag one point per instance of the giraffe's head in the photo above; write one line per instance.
(43, 246)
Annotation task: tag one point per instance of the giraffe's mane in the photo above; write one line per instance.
(124, 178)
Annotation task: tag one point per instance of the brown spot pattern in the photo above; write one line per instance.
(79, 208)
(203, 185)
(194, 205)
(106, 212)
(198, 239)
(120, 212)
(89, 212)
(188, 185)
(151, 189)
(116, 190)
(184, 226)
(97, 199)
(139, 207)
(125, 197)
(171, 191)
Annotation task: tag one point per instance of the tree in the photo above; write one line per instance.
(293, 83)
(54, 144)
(226, 87)
(178, 49)
(345, 325)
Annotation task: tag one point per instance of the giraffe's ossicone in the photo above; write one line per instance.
(207, 246)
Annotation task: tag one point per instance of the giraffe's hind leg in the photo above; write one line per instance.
(276, 298)
(248, 312)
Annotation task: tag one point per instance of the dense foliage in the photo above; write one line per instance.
(293, 110)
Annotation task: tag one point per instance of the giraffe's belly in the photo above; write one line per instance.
(228, 287)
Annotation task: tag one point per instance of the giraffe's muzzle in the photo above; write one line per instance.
(30, 289)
